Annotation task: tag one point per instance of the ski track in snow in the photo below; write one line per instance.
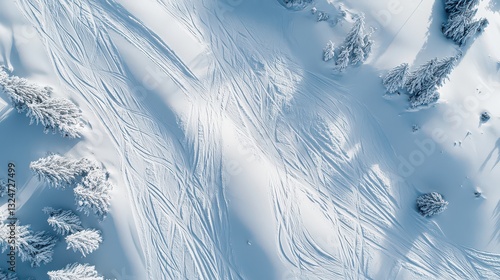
(317, 154)
(179, 215)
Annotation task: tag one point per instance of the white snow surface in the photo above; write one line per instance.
(237, 153)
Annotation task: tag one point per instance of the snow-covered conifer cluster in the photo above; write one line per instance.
(460, 25)
(65, 222)
(55, 114)
(92, 191)
(356, 47)
(430, 204)
(421, 84)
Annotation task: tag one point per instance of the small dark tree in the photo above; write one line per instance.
(485, 117)
(430, 204)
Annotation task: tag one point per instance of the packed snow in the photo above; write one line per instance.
(263, 139)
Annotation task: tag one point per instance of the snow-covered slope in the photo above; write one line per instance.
(237, 153)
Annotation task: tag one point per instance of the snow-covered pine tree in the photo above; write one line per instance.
(443, 69)
(357, 55)
(22, 92)
(322, 16)
(430, 204)
(57, 115)
(422, 79)
(43, 244)
(329, 51)
(422, 84)
(4, 275)
(4, 188)
(63, 221)
(296, 4)
(3, 76)
(75, 271)
(3, 73)
(356, 47)
(92, 194)
(342, 60)
(454, 28)
(60, 171)
(85, 241)
(35, 247)
(8, 275)
(395, 79)
(355, 42)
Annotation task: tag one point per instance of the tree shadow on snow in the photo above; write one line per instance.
(490, 155)
(458, 190)
(435, 42)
